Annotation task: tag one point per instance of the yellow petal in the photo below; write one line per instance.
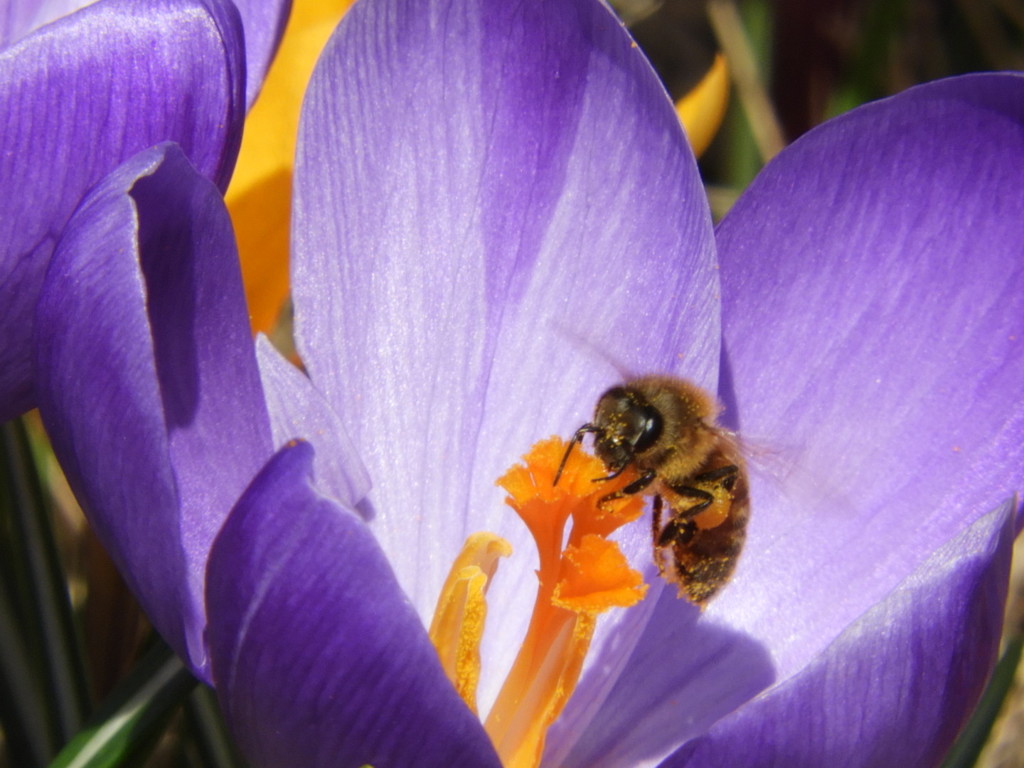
(703, 108)
(259, 197)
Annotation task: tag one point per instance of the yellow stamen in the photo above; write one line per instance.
(461, 610)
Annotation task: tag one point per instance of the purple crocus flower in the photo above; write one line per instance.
(494, 201)
(86, 86)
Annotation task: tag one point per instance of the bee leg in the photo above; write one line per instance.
(659, 556)
(676, 531)
(576, 438)
(640, 483)
(656, 517)
(635, 487)
(615, 473)
(659, 560)
(703, 500)
(725, 476)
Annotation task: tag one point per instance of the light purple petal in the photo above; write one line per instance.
(20, 17)
(495, 204)
(81, 95)
(873, 288)
(147, 379)
(299, 411)
(680, 677)
(264, 22)
(897, 685)
(318, 658)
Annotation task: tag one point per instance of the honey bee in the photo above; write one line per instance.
(665, 428)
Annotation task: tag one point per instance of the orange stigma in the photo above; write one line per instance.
(577, 582)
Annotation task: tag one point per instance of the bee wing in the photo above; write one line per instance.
(594, 350)
(764, 457)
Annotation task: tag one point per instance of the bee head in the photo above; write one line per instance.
(626, 425)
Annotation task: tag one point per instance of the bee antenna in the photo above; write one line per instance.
(576, 438)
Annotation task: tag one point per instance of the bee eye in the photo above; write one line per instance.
(647, 427)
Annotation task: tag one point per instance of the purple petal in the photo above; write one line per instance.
(298, 411)
(147, 379)
(873, 315)
(80, 96)
(264, 22)
(318, 658)
(897, 685)
(494, 205)
(915, 663)
(878, 359)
